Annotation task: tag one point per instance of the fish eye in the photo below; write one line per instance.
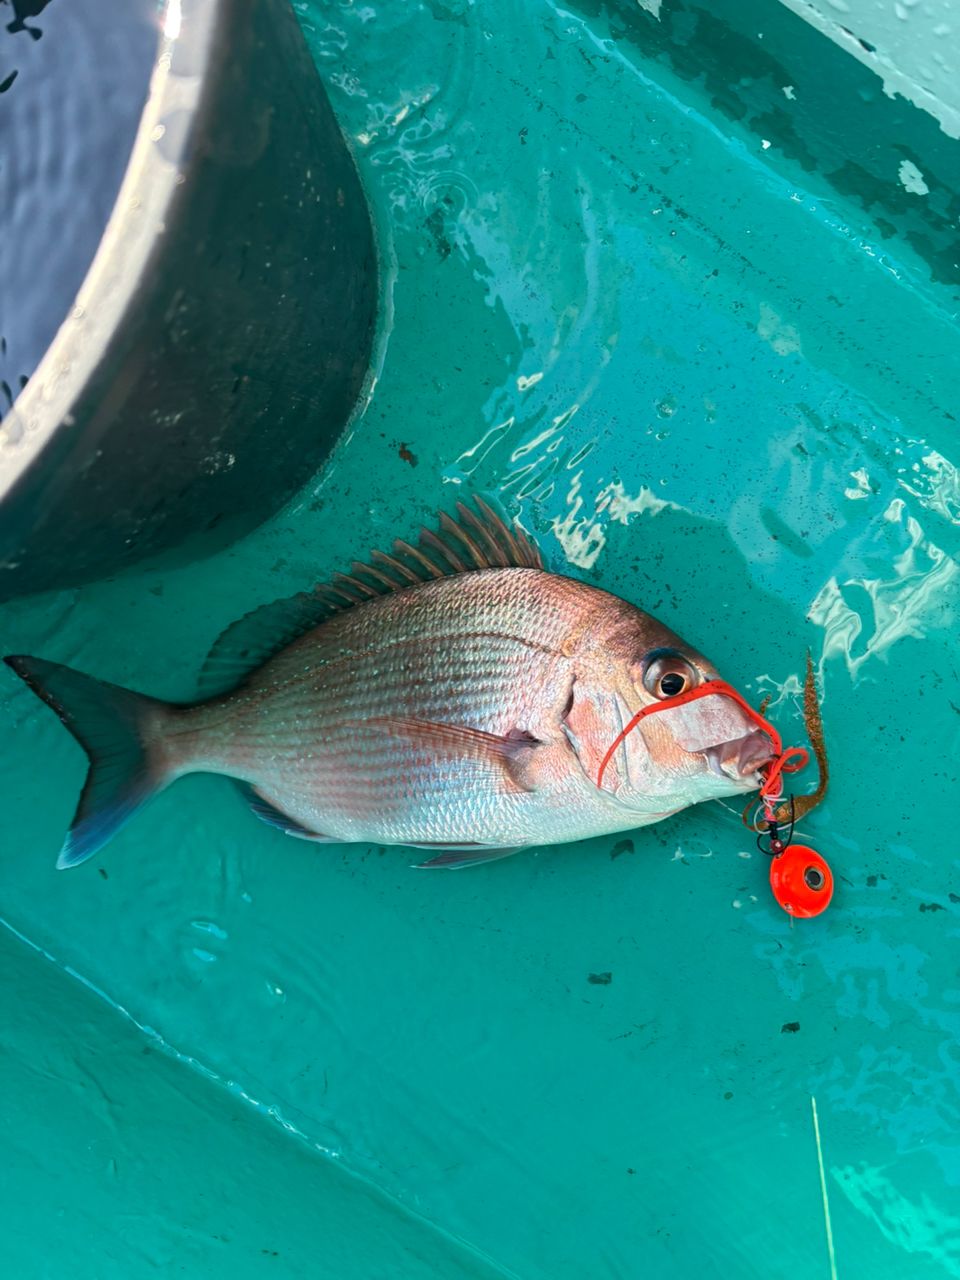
(667, 674)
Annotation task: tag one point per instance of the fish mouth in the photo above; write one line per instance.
(741, 759)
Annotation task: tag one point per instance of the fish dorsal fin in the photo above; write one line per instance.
(251, 640)
(473, 540)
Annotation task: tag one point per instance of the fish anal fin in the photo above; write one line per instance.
(274, 817)
(511, 753)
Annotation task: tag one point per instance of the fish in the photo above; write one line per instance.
(453, 696)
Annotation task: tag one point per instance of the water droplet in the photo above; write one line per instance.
(208, 926)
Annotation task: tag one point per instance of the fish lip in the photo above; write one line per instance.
(741, 759)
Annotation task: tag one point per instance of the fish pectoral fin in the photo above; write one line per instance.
(511, 754)
(274, 817)
(457, 856)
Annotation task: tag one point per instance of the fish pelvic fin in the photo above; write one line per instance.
(457, 856)
(116, 728)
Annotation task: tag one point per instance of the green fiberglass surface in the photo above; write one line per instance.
(720, 380)
(120, 1162)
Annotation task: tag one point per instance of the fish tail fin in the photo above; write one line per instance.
(117, 729)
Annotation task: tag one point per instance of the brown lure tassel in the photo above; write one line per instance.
(813, 720)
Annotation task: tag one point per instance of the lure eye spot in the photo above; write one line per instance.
(813, 877)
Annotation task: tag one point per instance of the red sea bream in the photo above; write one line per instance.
(453, 696)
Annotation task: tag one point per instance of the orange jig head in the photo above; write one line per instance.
(801, 881)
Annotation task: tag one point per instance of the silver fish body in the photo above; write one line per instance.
(468, 714)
